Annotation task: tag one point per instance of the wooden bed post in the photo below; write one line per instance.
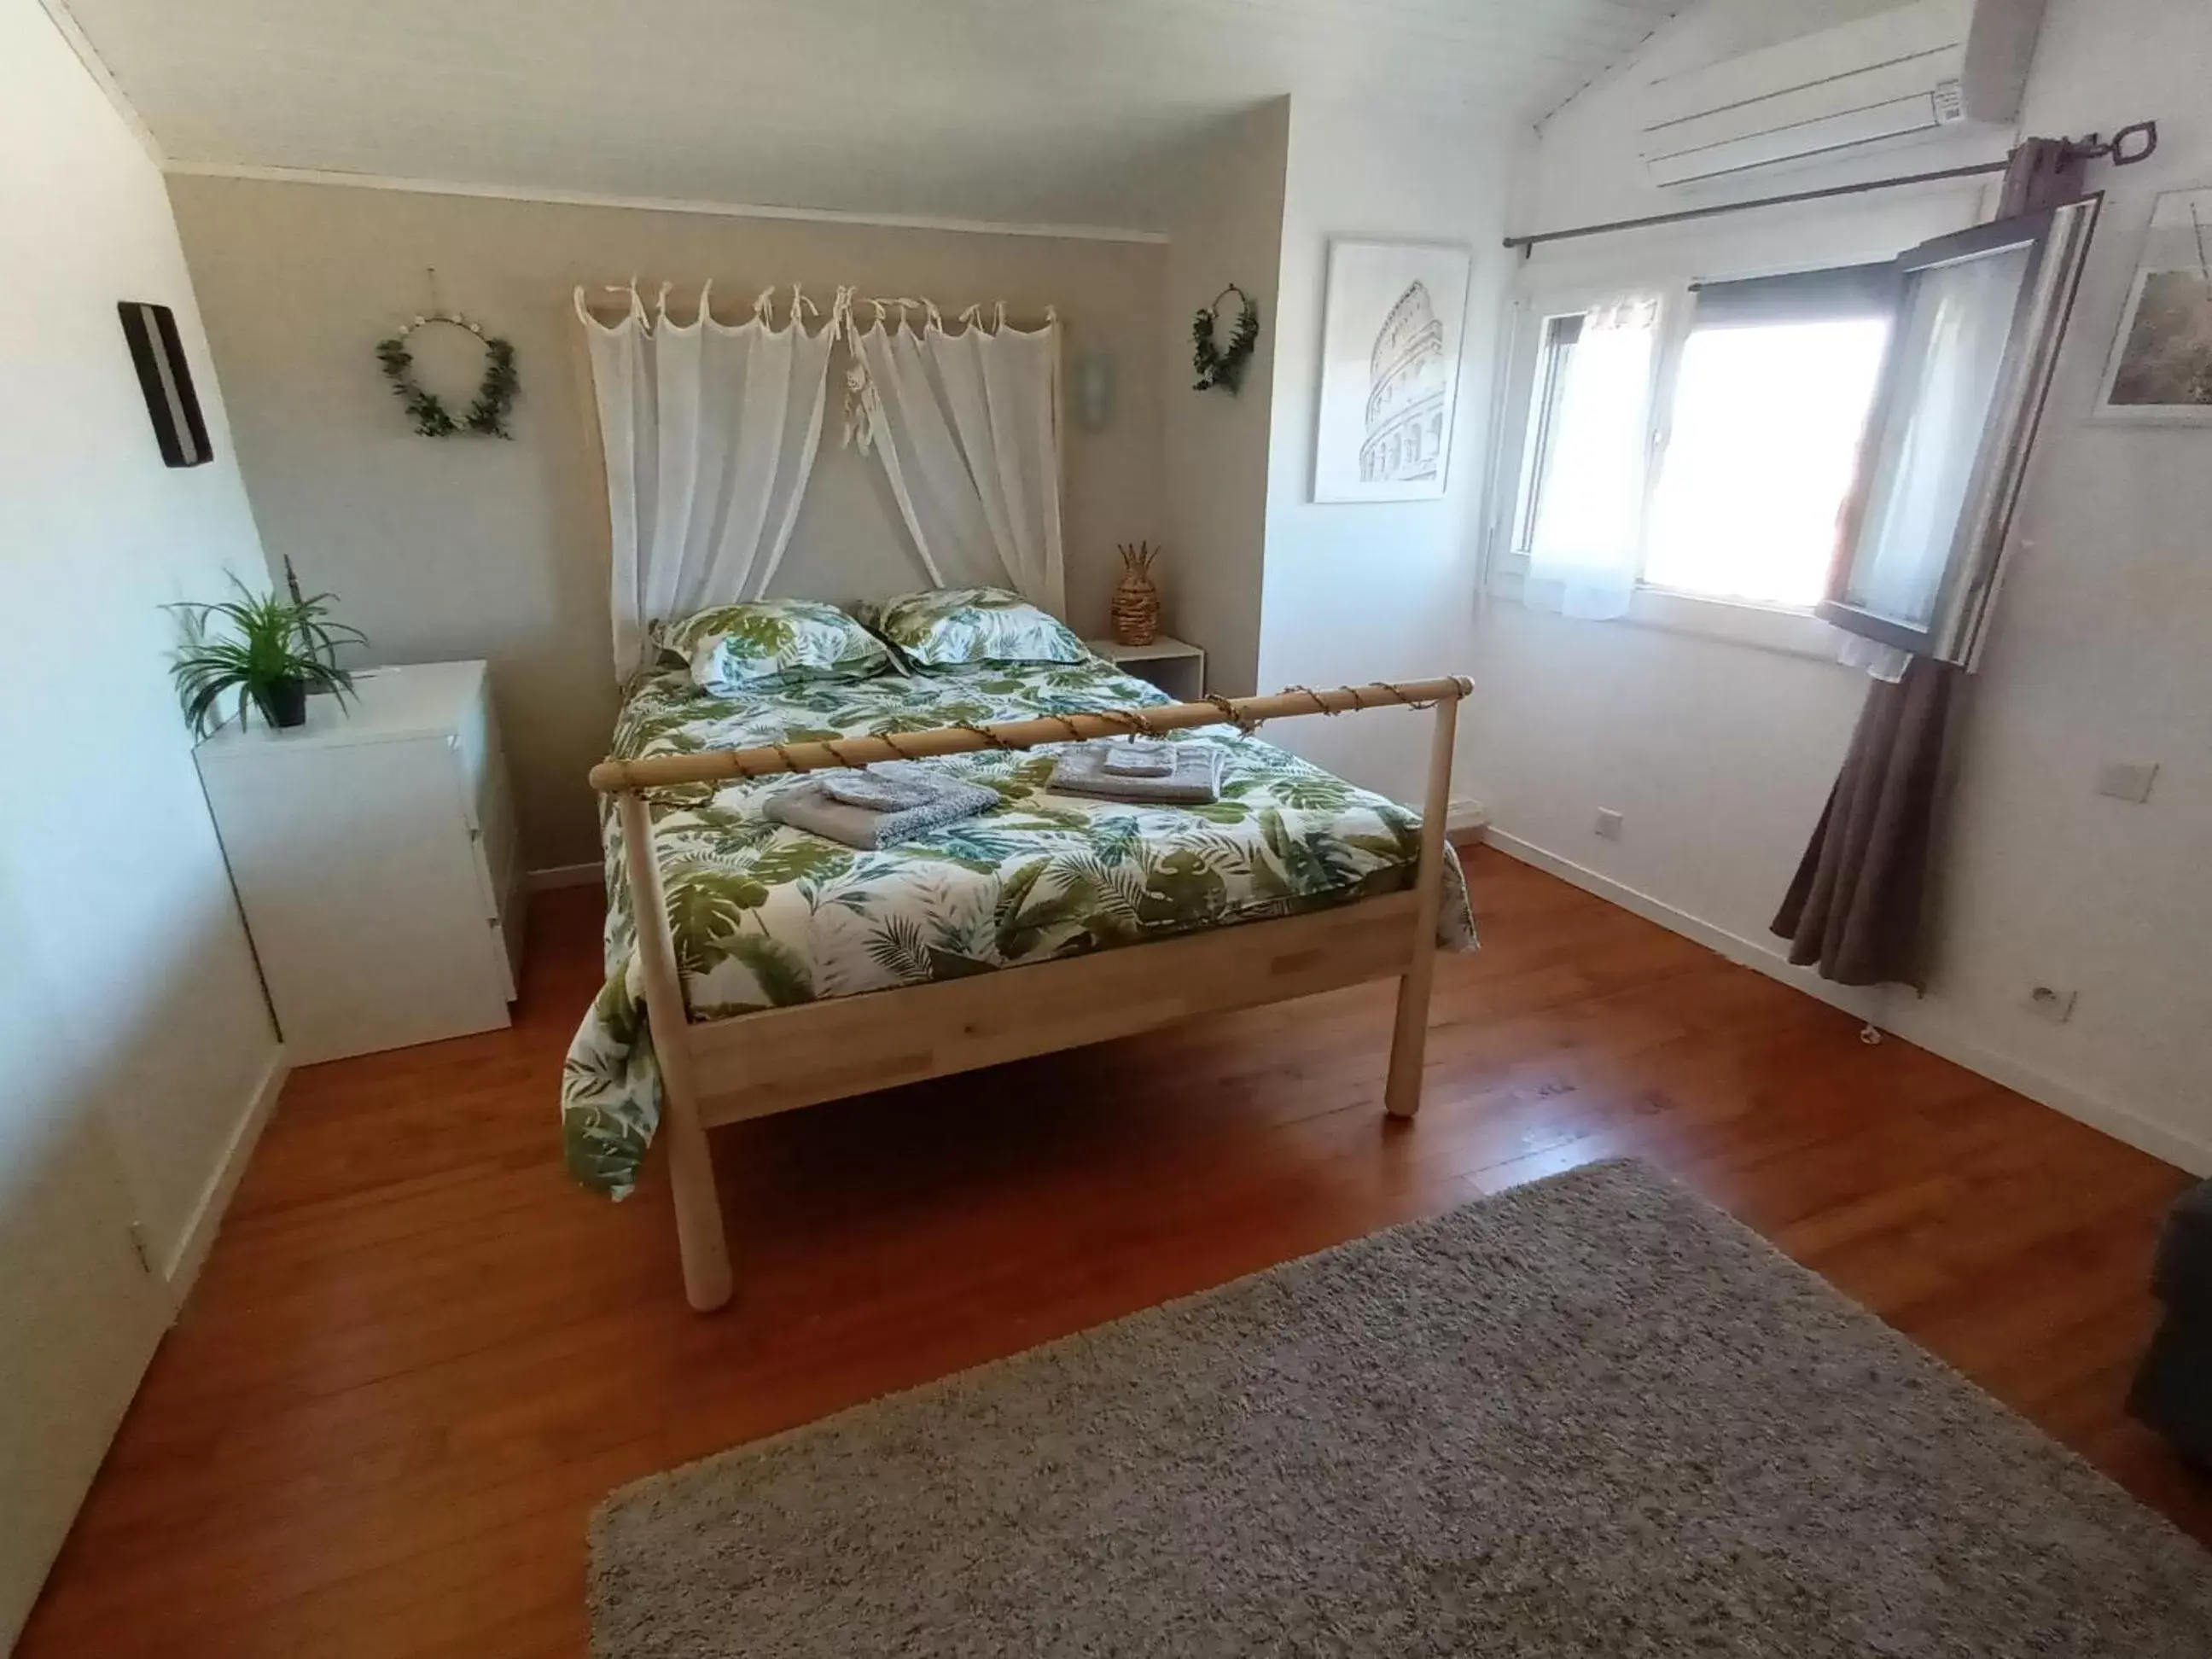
(1401, 1090)
(699, 1236)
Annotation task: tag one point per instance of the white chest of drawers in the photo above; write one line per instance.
(374, 851)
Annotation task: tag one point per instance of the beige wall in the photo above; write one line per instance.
(468, 547)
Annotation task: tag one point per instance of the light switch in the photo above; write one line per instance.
(2129, 780)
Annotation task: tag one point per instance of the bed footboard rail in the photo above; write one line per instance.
(1248, 715)
(702, 1243)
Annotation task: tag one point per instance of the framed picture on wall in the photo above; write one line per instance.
(165, 379)
(1390, 370)
(2161, 364)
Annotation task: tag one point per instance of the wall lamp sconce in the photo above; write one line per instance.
(1093, 390)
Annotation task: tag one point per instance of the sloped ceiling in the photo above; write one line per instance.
(1025, 111)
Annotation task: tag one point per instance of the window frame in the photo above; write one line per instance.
(1798, 629)
(2058, 239)
(1543, 402)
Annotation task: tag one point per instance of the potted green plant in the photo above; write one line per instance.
(271, 648)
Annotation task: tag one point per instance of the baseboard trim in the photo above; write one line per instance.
(564, 875)
(1859, 1002)
(185, 1262)
(1465, 822)
(1896, 1012)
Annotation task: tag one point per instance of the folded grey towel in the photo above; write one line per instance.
(1131, 759)
(1196, 781)
(888, 786)
(810, 805)
(854, 789)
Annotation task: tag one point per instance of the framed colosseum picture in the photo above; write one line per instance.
(1390, 370)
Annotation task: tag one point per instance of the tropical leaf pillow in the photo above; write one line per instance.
(946, 626)
(733, 648)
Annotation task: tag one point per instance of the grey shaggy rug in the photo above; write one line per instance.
(1591, 1416)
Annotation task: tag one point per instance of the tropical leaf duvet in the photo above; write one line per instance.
(766, 916)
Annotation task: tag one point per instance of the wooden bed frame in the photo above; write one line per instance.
(776, 1059)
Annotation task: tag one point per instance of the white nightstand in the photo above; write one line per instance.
(374, 851)
(1177, 667)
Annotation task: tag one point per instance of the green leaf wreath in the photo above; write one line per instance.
(486, 414)
(1216, 365)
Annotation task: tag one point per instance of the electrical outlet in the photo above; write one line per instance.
(2048, 1002)
(1610, 823)
(2128, 780)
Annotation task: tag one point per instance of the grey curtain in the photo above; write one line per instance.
(1857, 907)
(1856, 904)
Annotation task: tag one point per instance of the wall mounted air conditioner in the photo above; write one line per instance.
(1913, 68)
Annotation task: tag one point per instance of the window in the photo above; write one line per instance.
(1761, 441)
(1845, 443)
(1555, 356)
(1717, 457)
(1588, 445)
(1980, 317)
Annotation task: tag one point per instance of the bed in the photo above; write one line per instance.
(755, 967)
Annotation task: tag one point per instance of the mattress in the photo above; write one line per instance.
(765, 915)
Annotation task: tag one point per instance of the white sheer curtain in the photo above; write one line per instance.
(1586, 546)
(1881, 662)
(709, 432)
(965, 421)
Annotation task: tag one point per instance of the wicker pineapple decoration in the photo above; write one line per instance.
(1136, 601)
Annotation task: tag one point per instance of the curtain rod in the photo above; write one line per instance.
(2118, 151)
(617, 299)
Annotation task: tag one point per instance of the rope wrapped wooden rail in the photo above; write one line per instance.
(668, 771)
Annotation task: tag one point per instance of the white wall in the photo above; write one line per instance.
(135, 1040)
(471, 548)
(1226, 227)
(1362, 592)
(1720, 755)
